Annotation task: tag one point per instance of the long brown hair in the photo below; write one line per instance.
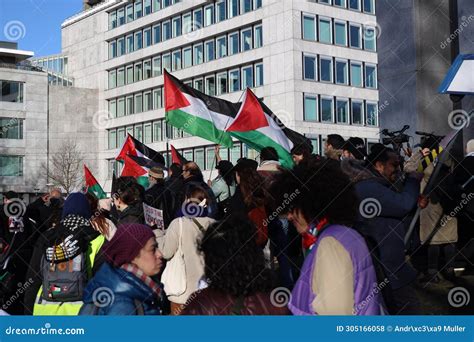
(252, 186)
(98, 219)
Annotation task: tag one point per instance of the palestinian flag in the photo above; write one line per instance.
(132, 169)
(135, 148)
(93, 187)
(258, 127)
(196, 113)
(177, 157)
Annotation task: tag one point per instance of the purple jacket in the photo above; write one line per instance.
(367, 295)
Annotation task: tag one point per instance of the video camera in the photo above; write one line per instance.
(396, 138)
(429, 140)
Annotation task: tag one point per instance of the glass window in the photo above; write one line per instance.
(166, 60)
(369, 38)
(130, 74)
(370, 76)
(138, 132)
(199, 157)
(221, 50)
(138, 9)
(130, 46)
(357, 113)
(325, 65)
(354, 36)
(112, 139)
(340, 33)
(233, 8)
(166, 3)
(112, 49)
(187, 57)
(129, 105)
(147, 69)
(258, 37)
(235, 153)
(327, 109)
(120, 47)
(157, 66)
(121, 16)
(198, 84)
(369, 6)
(138, 40)
(112, 79)
(258, 75)
(356, 74)
(209, 55)
(138, 103)
(233, 43)
(246, 39)
(120, 136)
(341, 72)
(156, 34)
(310, 108)
(158, 98)
(325, 34)
(187, 23)
(209, 15)
(112, 109)
(121, 107)
(258, 4)
(309, 67)
(147, 6)
(156, 5)
(147, 101)
(166, 30)
(246, 6)
(211, 85)
(147, 37)
(157, 131)
(234, 80)
(197, 19)
(188, 154)
(176, 27)
(176, 60)
(247, 77)
(372, 114)
(309, 27)
(138, 72)
(198, 54)
(210, 158)
(327, 2)
(129, 130)
(221, 9)
(340, 3)
(354, 4)
(222, 83)
(342, 111)
(129, 12)
(112, 20)
(120, 77)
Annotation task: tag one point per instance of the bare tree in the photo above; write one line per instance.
(65, 167)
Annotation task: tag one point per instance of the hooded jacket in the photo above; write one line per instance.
(132, 214)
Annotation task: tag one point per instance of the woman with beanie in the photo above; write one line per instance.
(123, 285)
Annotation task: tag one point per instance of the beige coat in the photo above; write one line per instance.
(193, 259)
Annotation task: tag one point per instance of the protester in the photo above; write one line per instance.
(354, 148)
(223, 186)
(268, 161)
(338, 276)
(158, 196)
(174, 185)
(181, 241)
(333, 146)
(383, 216)
(128, 201)
(124, 284)
(238, 282)
(300, 153)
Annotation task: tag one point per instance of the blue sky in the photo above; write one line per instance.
(36, 24)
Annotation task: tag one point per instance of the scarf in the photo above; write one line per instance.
(311, 236)
(155, 287)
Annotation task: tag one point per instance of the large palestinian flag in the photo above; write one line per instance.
(93, 187)
(197, 113)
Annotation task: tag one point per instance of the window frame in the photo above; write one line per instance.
(316, 71)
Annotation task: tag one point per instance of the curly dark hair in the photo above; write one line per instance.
(234, 264)
(319, 189)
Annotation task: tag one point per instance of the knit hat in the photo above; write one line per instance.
(156, 172)
(127, 243)
(470, 146)
(77, 204)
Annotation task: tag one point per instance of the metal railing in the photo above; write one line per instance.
(25, 67)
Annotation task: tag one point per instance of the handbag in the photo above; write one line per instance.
(174, 275)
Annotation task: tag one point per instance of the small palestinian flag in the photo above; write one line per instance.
(132, 169)
(177, 157)
(134, 147)
(93, 187)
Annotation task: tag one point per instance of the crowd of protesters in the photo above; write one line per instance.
(331, 232)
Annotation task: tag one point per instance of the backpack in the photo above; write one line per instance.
(64, 281)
